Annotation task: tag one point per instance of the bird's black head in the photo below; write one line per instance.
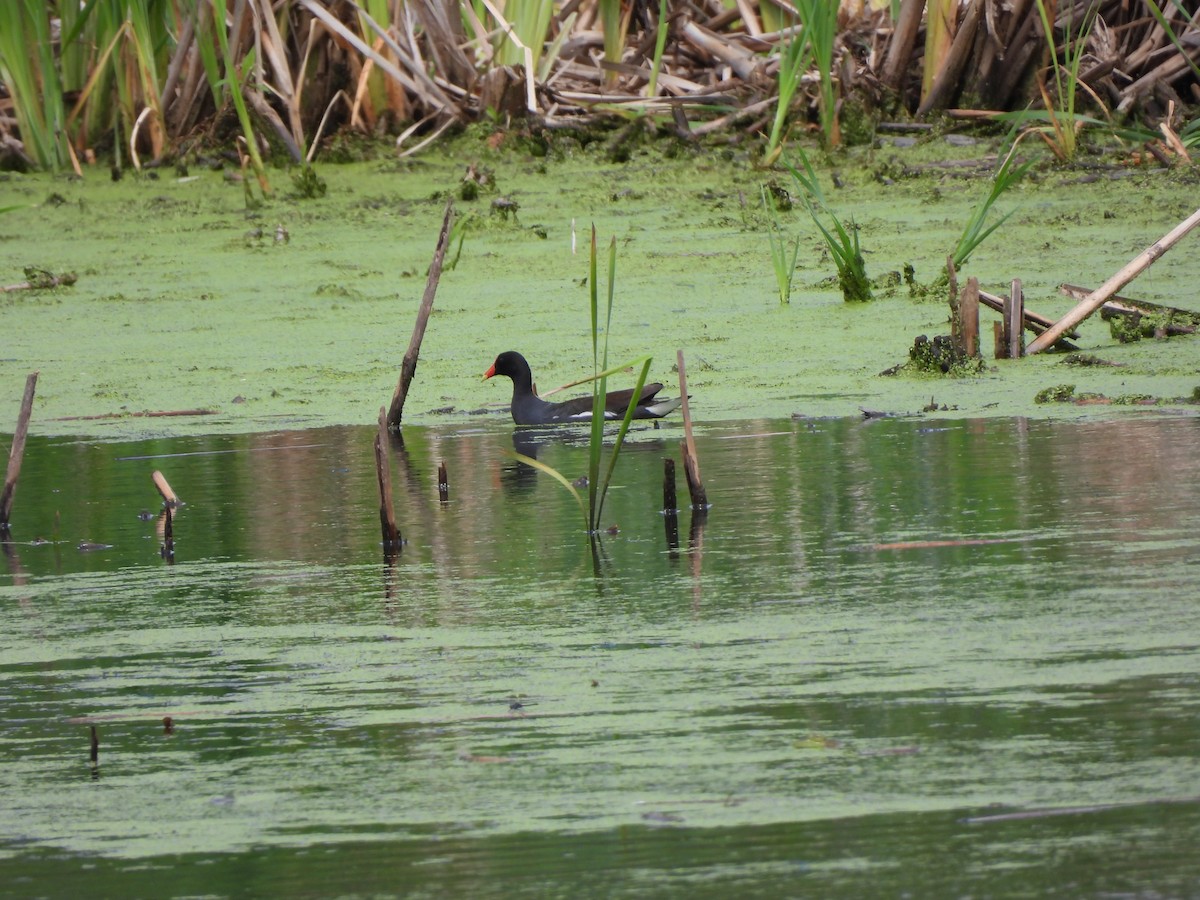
(510, 363)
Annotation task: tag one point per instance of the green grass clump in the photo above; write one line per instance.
(783, 264)
(841, 240)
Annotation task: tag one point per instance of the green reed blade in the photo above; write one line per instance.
(624, 429)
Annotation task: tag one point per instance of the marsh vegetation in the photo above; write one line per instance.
(156, 80)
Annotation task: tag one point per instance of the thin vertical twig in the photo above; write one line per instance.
(408, 368)
(383, 472)
(17, 453)
(691, 462)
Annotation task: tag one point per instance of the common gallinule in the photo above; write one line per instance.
(530, 409)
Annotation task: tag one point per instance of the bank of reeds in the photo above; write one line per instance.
(140, 80)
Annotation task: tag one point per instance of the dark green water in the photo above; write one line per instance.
(890, 653)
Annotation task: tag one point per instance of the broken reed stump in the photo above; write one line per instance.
(968, 311)
(952, 280)
(17, 453)
(964, 314)
(95, 748)
(383, 471)
(691, 462)
(408, 367)
(1031, 322)
(1010, 343)
(1097, 298)
(443, 483)
(170, 498)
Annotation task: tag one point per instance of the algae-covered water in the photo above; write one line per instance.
(941, 654)
(894, 659)
(297, 313)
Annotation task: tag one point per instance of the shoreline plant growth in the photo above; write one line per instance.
(134, 81)
(1063, 124)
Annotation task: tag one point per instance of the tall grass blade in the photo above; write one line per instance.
(820, 35)
(616, 450)
(600, 367)
(660, 44)
(793, 61)
(1170, 32)
(529, 21)
(615, 24)
(940, 19)
(1060, 109)
(597, 426)
(785, 268)
(29, 70)
(233, 82)
(974, 233)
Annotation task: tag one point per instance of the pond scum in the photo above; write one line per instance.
(295, 82)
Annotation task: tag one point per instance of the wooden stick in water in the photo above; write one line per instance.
(17, 453)
(383, 471)
(168, 544)
(669, 501)
(164, 489)
(1097, 298)
(691, 462)
(968, 311)
(408, 368)
(1033, 321)
(443, 482)
(1014, 318)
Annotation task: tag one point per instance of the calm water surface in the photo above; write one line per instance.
(898, 658)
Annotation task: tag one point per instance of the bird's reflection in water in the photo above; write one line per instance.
(519, 477)
(531, 440)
